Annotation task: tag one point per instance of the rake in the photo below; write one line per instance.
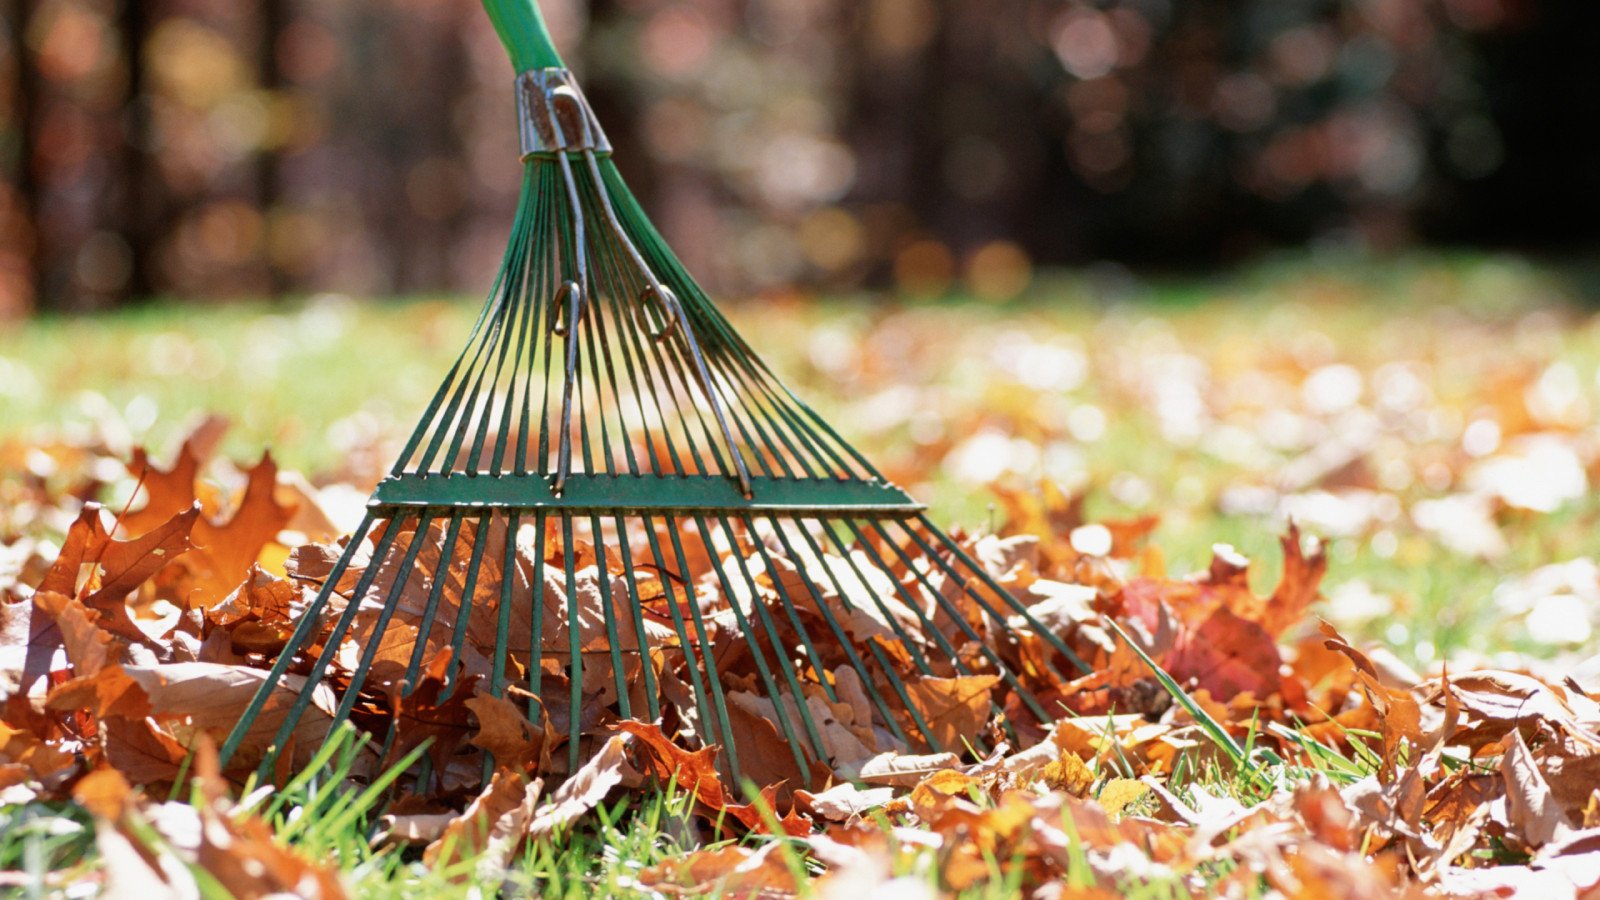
(612, 509)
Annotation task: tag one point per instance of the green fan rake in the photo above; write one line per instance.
(613, 494)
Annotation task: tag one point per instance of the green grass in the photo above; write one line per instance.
(323, 379)
(329, 381)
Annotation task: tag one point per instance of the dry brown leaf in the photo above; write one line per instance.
(953, 709)
(901, 770)
(491, 829)
(842, 802)
(211, 698)
(125, 565)
(141, 750)
(105, 793)
(583, 791)
(30, 648)
(696, 772)
(86, 539)
(1530, 805)
(733, 872)
(506, 734)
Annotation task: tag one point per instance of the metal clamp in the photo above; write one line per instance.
(553, 116)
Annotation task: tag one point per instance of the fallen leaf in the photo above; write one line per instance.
(583, 791)
(953, 709)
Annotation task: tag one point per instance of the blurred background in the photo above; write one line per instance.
(214, 149)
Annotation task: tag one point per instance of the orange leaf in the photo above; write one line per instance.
(128, 564)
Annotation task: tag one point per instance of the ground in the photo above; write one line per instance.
(1433, 419)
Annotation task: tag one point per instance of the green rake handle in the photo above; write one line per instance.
(522, 29)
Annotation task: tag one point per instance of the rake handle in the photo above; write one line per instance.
(522, 29)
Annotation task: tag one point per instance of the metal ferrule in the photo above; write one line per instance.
(554, 117)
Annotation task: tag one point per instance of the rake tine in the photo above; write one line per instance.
(536, 614)
(302, 631)
(675, 311)
(877, 652)
(760, 658)
(652, 701)
(391, 530)
(618, 675)
(977, 569)
(390, 604)
(845, 642)
(458, 635)
(502, 637)
(574, 645)
(708, 657)
(702, 702)
(944, 603)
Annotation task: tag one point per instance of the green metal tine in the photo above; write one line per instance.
(458, 634)
(335, 637)
(574, 644)
(696, 682)
(510, 315)
(652, 702)
(683, 393)
(596, 384)
(513, 249)
(536, 614)
(817, 661)
(419, 538)
(708, 656)
(662, 258)
(845, 641)
(538, 286)
(629, 330)
(884, 664)
(955, 616)
(773, 694)
(475, 396)
(618, 672)
(685, 333)
(607, 359)
(508, 580)
(430, 610)
(744, 380)
(442, 427)
(909, 642)
(521, 290)
(298, 638)
(627, 327)
(988, 580)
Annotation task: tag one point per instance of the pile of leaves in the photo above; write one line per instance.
(1221, 740)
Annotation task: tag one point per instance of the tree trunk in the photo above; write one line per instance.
(275, 17)
(138, 213)
(20, 12)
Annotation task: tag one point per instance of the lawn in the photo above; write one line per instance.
(1434, 419)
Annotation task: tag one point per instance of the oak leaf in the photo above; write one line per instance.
(953, 709)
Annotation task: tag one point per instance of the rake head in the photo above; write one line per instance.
(611, 509)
